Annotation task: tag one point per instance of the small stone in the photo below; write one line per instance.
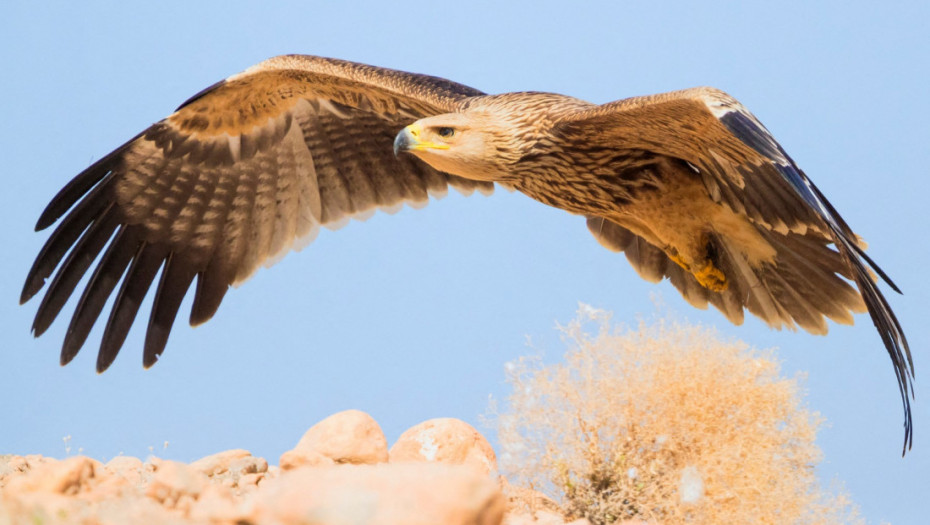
(11, 465)
(445, 440)
(216, 505)
(249, 465)
(541, 517)
(304, 458)
(547, 517)
(220, 462)
(123, 463)
(67, 477)
(524, 500)
(351, 436)
(409, 494)
(176, 485)
(250, 480)
(126, 467)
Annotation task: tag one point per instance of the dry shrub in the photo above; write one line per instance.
(665, 423)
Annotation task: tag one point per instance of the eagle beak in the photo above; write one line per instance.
(409, 140)
(404, 140)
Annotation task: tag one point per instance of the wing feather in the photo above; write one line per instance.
(104, 279)
(241, 173)
(743, 167)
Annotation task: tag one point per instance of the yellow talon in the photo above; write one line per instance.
(709, 275)
(678, 260)
(711, 278)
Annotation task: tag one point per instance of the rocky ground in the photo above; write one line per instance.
(441, 471)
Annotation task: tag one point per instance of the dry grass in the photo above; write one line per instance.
(666, 424)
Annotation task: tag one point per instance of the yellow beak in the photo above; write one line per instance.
(409, 140)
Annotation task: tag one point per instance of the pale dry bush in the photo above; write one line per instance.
(665, 423)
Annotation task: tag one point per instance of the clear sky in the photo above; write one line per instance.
(413, 316)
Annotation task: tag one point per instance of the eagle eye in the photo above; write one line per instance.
(446, 133)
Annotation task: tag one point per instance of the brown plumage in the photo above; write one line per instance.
(688, 184)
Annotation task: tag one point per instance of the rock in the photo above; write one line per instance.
(543, 517)
(351, 437)
(526, 500)
(120, 476)
(11, 465)
(127, 468)
(217, 505)
(250, 480)
(228, 468)
(67, 477)
(384, 494)
(249, 465)
(445, 440)
(122, 464)
(49, 490)
(176, 485)
(220, 463)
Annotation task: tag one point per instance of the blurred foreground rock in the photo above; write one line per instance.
(351, 436)
(445, 440)
(441, 471)
(410, 494)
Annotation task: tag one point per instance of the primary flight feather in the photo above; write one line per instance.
(688, 184)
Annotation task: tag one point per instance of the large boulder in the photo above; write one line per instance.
(351, 437)
(445, 440)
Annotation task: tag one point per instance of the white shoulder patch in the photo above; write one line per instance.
(719, 103)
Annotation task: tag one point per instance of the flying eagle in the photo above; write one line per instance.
(688, 184)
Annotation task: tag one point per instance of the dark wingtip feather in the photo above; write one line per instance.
(875, 267)
(211, 288)
(145, 264)
(175, 280)
(80, 185)
(889, 329)
(85, 251)
(61, 240)
(108, 272)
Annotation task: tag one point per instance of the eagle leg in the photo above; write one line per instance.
(706, 273)
(711, 277)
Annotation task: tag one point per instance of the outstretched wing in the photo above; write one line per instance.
(744, 168)
(240, 174)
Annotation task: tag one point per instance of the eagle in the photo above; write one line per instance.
(688, 184)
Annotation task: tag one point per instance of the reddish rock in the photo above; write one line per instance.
(219, 463)
(123, 464)
(10, 466)
(250, 480)
(126, 468)
(351, 437)
(229, 468)
(392, 494)
(544, 517)
(445, 440)
(176, 485)
(67, 477)
(48, 491)
(217, 505)
(249, 465)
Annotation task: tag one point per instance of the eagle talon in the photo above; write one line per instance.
(711, 278)
(677, 259)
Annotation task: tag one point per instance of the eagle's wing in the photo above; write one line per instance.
(744, 168)
(240, 174)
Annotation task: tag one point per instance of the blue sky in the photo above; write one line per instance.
(413, 316)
